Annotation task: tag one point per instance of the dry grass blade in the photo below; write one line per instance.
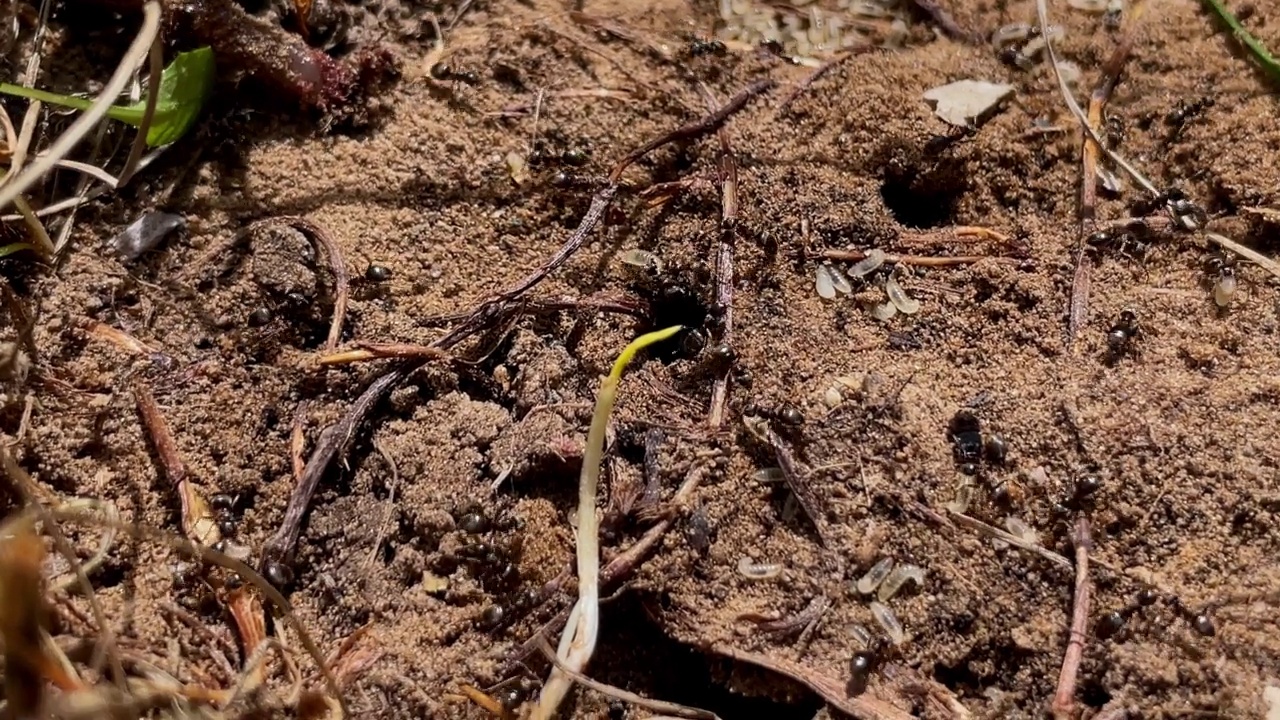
(1042, 14)
(15, 185)
(246, 611)
(829, 689)
(382, 351)
(33, 495)
(673, 709)
(181, 544)
(1247, 253)
(24, 620)
(995, 532)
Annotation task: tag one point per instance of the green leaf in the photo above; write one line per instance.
(1259, 51)
(184, 86)
(14, 248)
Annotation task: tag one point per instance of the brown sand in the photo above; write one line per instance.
(1181, 431)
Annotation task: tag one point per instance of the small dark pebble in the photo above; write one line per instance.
(1087, 485)
(377, 273)
(222, 501)
(277, 573)
(233, 582)
(260, 317)
(473, 523)
(1148, 597)
(1203, 624)
(997, 449)
(1110, 624)
(969, 468)
(227, 526)
(491, 617)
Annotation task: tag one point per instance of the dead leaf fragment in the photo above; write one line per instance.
(967, 103)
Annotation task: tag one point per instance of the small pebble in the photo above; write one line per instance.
(1110, 624)
(277, 573)
(969, 468)
(1148, 597)
(491, 617)
(1204, 625)
(260, 317)
(377, 273)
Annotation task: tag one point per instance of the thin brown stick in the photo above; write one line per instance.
(661, 706)
(863, 707)
(797, 482)
(1112, 70)
(382, 351)
(1063, 706)
(919, 260)
(728, 236)
(521, 109)
(319, 239)
(197, 520)
(298, 439)
(814, 76)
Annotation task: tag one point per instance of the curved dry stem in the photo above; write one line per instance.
(18, 184)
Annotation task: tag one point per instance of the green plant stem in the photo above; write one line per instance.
(1268, 62)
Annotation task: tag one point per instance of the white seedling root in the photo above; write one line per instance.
(578, 642)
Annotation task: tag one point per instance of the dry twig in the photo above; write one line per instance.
(1063, 706)
(1112, 70)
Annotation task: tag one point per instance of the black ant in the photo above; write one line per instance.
(1120, 336)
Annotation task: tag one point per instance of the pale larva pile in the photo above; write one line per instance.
(807, 28)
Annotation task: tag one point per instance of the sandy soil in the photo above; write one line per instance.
(1179, 429)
